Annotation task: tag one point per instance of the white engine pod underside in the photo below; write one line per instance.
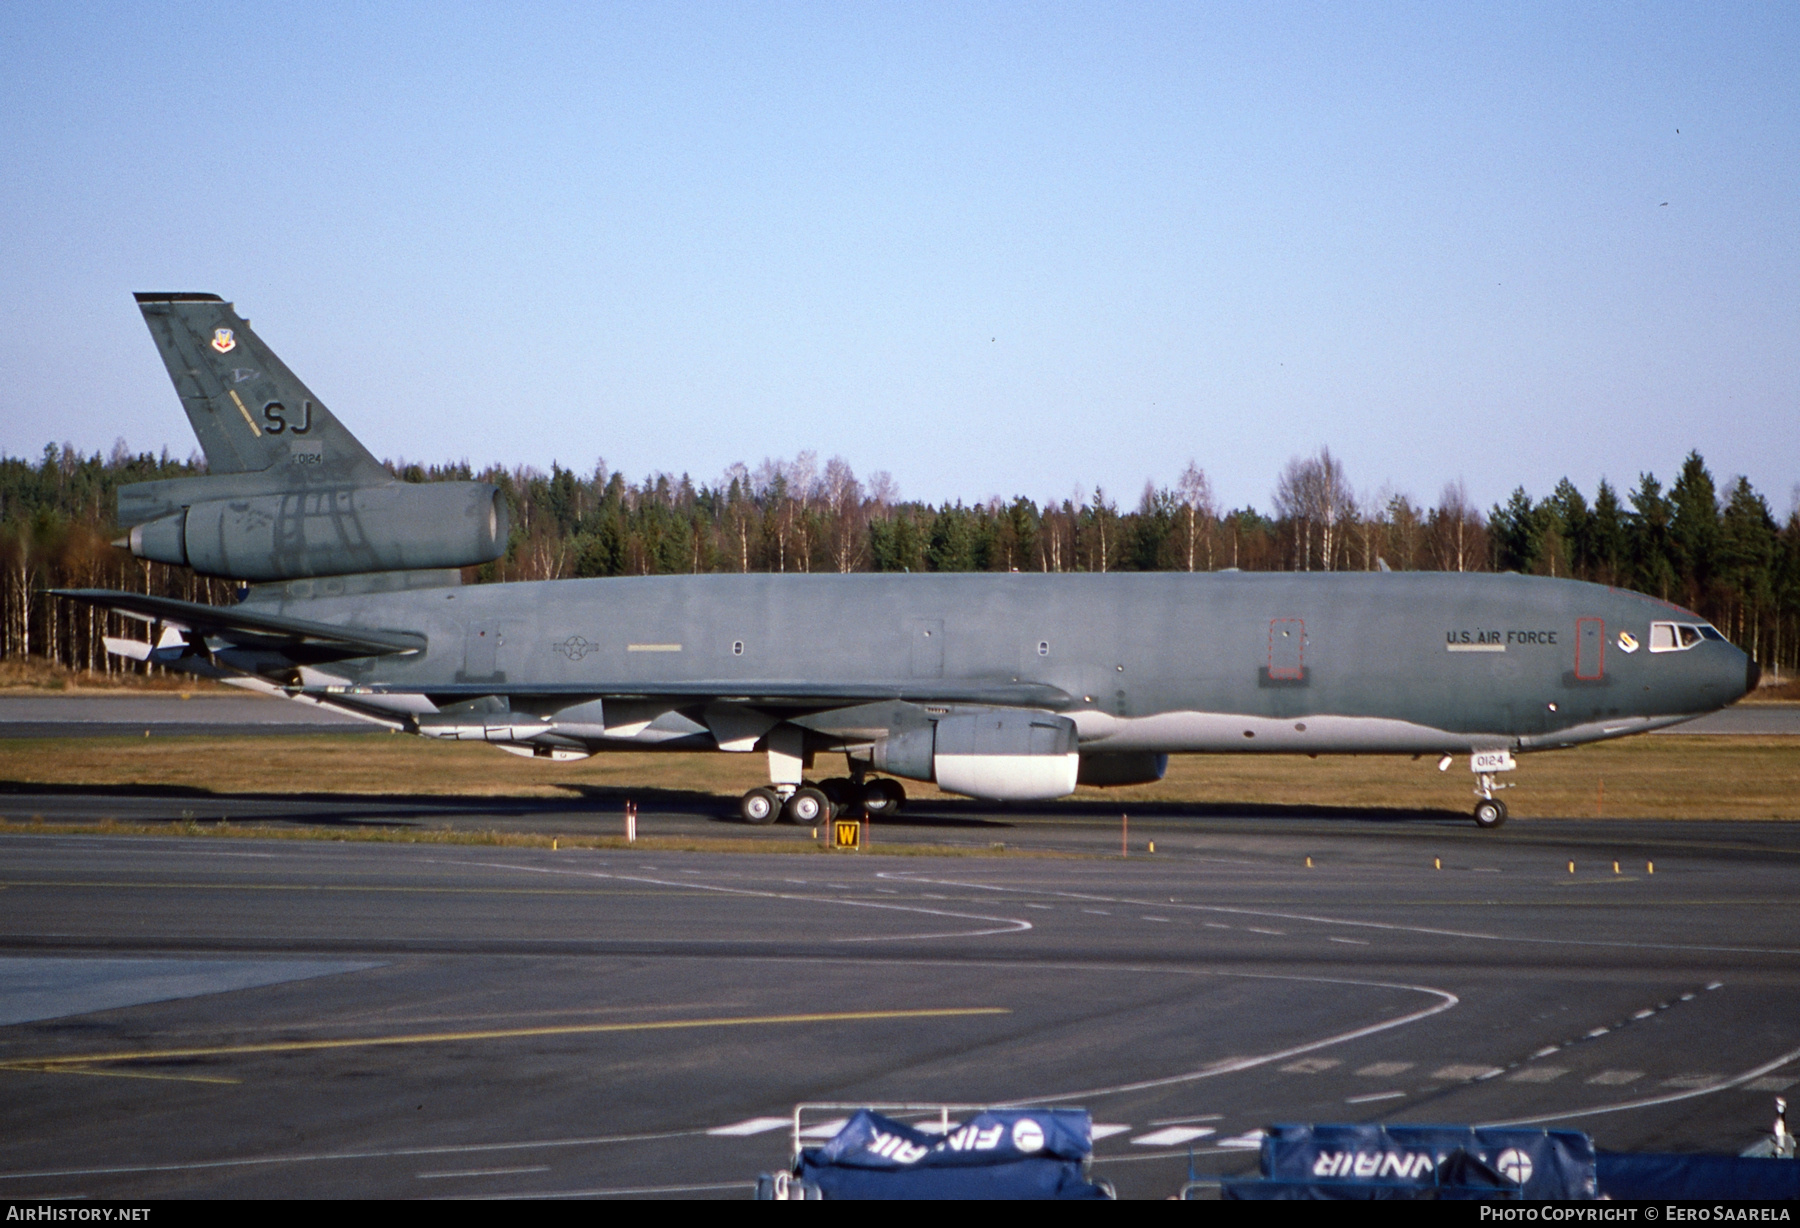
(1008, 778)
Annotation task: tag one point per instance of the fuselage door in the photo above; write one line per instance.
(1590, 649)
(481, 652)
(927, 647)
(1287, 649)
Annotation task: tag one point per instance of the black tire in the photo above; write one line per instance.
(759, 806)
(806, 807)
(883, 797)
(843, 794)
(1490, 812)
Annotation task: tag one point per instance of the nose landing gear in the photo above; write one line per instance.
(1490, 811)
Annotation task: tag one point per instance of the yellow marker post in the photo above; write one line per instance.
(1437, 863)
(1571, 867)
(1309, 863)
(1649, 867)
(1615, 867)
(1153, 846)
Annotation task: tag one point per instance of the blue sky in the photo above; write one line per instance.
(993, 249)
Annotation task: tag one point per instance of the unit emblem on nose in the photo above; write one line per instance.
(1627, 642)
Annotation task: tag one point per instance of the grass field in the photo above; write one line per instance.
(1692, 777)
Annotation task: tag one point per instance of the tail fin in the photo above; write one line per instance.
(251, 413)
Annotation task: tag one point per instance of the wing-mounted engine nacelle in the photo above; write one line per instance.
(999, 754)
(331, 531)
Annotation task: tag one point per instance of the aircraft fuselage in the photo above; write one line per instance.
(1164, 662)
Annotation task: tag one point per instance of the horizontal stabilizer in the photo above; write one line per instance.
(239, 626)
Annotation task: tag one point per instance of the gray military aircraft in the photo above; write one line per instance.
(1009, 687)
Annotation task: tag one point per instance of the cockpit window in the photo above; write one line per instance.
(1678, 637)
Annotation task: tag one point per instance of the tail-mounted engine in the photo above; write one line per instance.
(329, 531)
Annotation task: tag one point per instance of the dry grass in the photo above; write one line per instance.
(1655, 777)
(34, 674)
(1786, 692)
(498, 839)
(1686, 777)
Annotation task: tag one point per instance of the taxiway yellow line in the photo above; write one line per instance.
(438, 1038)
(42, 1068)
(321, 887)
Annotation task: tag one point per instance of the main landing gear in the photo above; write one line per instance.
(809, 803)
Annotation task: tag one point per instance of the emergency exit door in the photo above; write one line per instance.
(1287, 649)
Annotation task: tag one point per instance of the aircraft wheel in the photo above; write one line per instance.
(1490, 812)
(883, 797)
(806, 807)
(842, 793)
(759, 806)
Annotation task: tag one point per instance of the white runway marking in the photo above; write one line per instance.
(320, 1156)
(1173, 1136)
(1311, 1065)
(825, 1129)
(620, 1191)
(1384, 1070)
(1465, 1072)
(1004, 925)
(1446, 1001)
(1107, 1131)
(1538, 1074)
(755, 1125)
(1370, 1099)
(484, 1172)
(1743, 1079)
(1616, 1078)
(1342, 922)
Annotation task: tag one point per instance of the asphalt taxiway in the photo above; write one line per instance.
(219, 1017)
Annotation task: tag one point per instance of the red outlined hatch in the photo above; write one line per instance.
(1590, 649)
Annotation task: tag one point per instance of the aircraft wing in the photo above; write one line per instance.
(305, 640)
(786, 693)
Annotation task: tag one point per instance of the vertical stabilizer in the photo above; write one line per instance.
(251, 413)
